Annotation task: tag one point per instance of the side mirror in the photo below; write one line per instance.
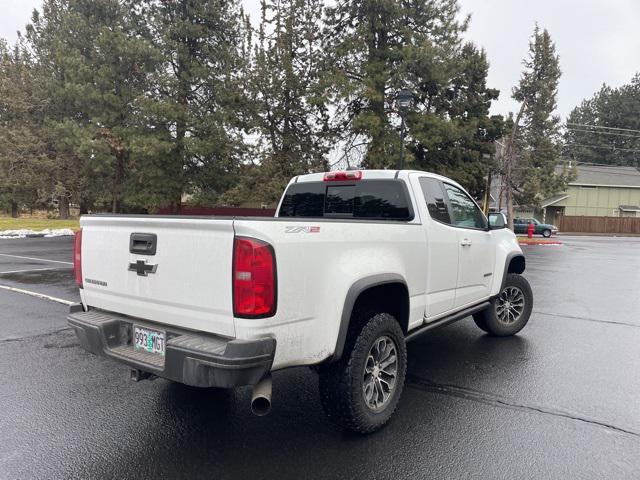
(497, 221)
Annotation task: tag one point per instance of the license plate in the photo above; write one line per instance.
(151, 341)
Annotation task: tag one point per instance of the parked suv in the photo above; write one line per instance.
(354, 265)
(521, 225)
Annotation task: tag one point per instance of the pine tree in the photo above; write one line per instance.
(21, 172)
(45, 37)
(115, 66)
(533, 146)
(377, 47)
(455, 135)
(90, 70)
(289, 114)
(190, 124)
(605, 129)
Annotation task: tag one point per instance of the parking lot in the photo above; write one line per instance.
(559, 400)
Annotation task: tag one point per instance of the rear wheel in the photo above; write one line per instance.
(509, 312)
(480, 322)
(360, 392)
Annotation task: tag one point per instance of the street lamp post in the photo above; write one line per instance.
(404, 99)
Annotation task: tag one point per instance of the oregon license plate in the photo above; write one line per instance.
(151, 341)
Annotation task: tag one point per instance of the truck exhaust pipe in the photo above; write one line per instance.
(261, 398)
(138, 375)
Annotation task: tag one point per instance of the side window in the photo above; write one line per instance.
(434, 196)
(465, 211)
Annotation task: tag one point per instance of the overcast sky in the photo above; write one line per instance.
(598, 40)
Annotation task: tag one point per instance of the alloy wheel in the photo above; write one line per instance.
(380, 373)
(510, 305)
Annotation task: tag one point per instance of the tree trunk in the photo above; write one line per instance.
(14, 209)
(510, 213)
(487, 195)
(510, 158)
(118, 178)
(176, 206)
(377, 156)
(184, 58)
(63, 207)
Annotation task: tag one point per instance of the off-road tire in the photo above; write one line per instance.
(341, 382)
(479, 320)
(489, 320)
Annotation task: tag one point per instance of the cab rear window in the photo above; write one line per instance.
(365, 199)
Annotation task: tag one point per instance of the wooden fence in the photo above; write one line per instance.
(599, 224)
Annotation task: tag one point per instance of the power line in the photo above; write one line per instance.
(607, 168)
(619, 174)
(608, 128)
(605, 133)
(595, 164)
(610, 147)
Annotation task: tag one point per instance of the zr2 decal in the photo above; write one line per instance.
(307, 229)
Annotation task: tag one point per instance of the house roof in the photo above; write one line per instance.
(629, 208)
(607, 176)
(551, 200)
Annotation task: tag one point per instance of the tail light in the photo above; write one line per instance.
(340, 176)
(254, 278)
(77, 257)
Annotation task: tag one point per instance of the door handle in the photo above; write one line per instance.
(465, 243)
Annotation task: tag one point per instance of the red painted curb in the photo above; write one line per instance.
(540, 243)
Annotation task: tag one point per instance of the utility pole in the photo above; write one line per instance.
(401, 167)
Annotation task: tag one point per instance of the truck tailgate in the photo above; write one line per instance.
(186, 283)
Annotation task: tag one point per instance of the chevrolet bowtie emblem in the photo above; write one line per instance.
(142, 268)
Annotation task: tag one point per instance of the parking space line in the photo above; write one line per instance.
(33, 258)
(586, 319)
(37, 295)
(35, 270)
(499, 401)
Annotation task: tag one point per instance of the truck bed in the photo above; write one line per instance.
(191, 287)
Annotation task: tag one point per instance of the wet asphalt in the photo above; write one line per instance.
(559, 400)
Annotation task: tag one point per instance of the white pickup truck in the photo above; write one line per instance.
(354, 265)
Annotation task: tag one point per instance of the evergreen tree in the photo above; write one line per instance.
(190, 122)
(288, 112)
(90, 70)
(533, 148)
(605, 129)
(378, 47)
(111, 69)
(45, 37)
(21, 173)
(455, 135)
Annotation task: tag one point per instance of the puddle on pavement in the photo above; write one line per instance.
(22, 265)
(60, 276)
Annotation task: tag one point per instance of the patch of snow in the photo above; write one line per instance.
(47, 232)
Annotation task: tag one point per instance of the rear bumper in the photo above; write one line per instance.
(192, 358)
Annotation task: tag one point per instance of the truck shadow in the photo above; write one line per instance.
(190, 431)
(462, 349)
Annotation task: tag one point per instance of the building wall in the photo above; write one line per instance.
(598, 201)
(524, 212)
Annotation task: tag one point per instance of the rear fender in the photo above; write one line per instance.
(353, 294)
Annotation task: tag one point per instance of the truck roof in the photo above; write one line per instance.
(372, 175)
